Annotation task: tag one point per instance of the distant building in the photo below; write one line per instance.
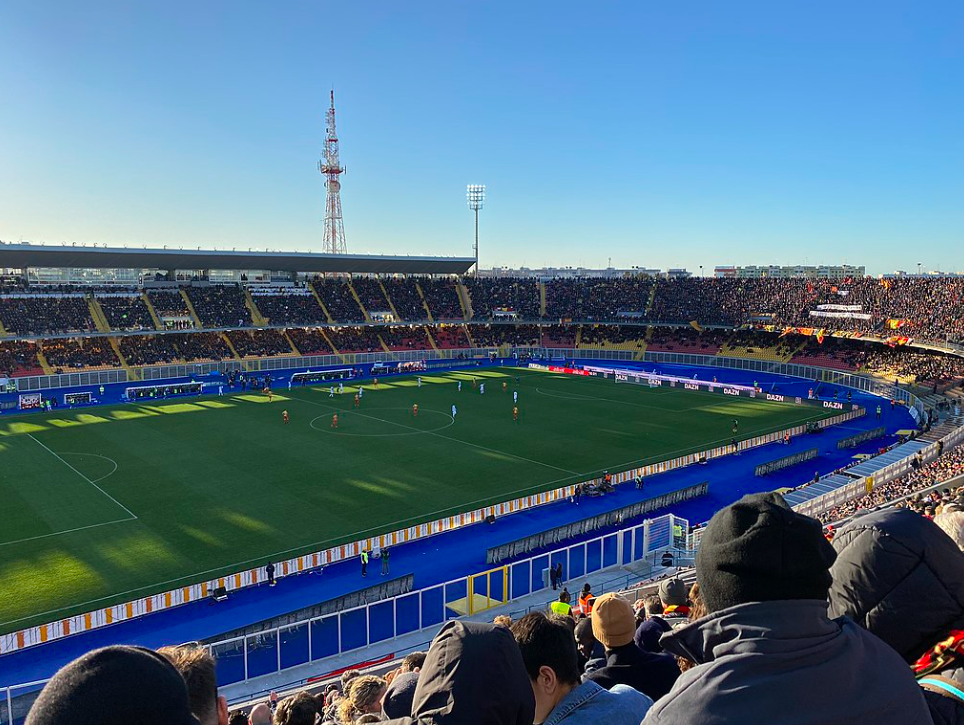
(574, 272)
(790, 272)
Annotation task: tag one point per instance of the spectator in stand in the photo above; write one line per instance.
(120, 684)
(400, 694)
(592, 655)
(764, 575)
(300, 709)
(363, 696)
(899, 576)
(614, 624)
(549, 652)
(260, 715)
(952, 524)
(197, 668)
(473, 673)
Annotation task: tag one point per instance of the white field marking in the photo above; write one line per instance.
(439, 435)
(68, 531)
(451, 422)
(92, 483)
(97, 455)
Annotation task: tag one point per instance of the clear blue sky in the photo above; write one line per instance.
(652, 133)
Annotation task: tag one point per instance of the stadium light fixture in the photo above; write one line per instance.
(475, 195)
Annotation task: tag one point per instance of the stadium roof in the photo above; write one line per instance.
(21, 256)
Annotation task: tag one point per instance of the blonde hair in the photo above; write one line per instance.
(503, 620)
(364, 692)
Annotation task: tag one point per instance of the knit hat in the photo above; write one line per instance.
(673, 592)
(758, 549)
(399, 695)
(120, 685)
(613, 621)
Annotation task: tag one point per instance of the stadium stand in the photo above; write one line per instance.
(597, 299)
(559, 336)
(259, 343)
(442, 297)
(309, 342)
(613, 337)
(126, 311)
(220, 305)
(45, 314)
(748, 344)
(509, 297)
(403, 337)
(406, 299)
(686, 340)
(290, 307)
(449, 337)
(495, 335)
(168, 302)
(370, 294)
(336, 295)
(832, 353)
(79, 353)
(354, 339)
(19, 359)
(150, 349)
(195, 346)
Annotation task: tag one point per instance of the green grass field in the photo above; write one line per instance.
(114, 503)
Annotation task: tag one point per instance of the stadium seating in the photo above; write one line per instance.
(613, 337)
(496, 335)
(295, 307)
(220, 306)
(338, 300)
(832, 353)
(686, 340)
(168, 302)
(79, 353)
(449, 337)
(126, 311)
(402, 337)
(406, 299)
(760, 347)
(354, 339)
(491, 298)
(597, 299)
(309, 342)
(150, 349)
(259, 343)
(442, 297)
(559, 336)
(45, 314)
(19, 359)
(369, 292)
(196, 346)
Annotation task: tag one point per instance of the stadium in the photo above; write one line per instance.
(301, 485)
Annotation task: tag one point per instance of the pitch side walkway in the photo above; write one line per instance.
(449, 556)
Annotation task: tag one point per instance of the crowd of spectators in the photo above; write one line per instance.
(448, 337)
(295, 307)
(338, 300)
(354, 339)
(496, 335)
(126, 312)
(781, 625)
(45, 314)
(167, 302)
(520, 297)
(597, 298)
(943, 468)
(405, 337)
(686, 340)
(309, 341)
(594, 335)
(149, 349)
(835, 353)
(370, 294)
(559, 336)
(19, 358)
(442, 297)
(926, 368)
(259, 343)
(221, 305)
(194, 346)
(79, 352)
(404, 295)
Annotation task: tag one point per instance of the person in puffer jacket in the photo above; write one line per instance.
(901, 577)
(767, 652)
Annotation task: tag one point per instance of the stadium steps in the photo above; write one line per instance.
(97, 314)
(391, 305)
(542, 299)
(385, 347)
(322, 305)
(194, 315)
(649, 302)
(465, 300)
(431, 340)
(332, 345)
(227, 341)
(368, 318)
(42, 359)
(256, 317)
(291, 343)
(468, 336)
(3, 330)
(132, 374)
(578, 341)
(424, 302)
(155, 318)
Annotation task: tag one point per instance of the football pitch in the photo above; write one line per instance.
(105, 505)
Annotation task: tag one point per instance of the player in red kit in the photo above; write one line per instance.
(284, 416)
(334, 420)
(515, 413)
(357, 400)
(415, 410)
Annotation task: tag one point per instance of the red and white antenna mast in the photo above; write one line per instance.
(330, 166)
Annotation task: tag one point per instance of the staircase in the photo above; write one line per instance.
(368, 318)
(468, 336)
(465, 299)
(155, 318)
(41, 358)
(542, 299)
(256, 317)
(385, 347)
(132, 374)
(332, 345)
(652, 297)
(424, 302)
(226, 339)
(97, 313)
(431, 340)
(194, 317)
(391, 305)
(321, 304)
(3, 330)
(291, 343)
(578, 337)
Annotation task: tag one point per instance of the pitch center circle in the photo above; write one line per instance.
(368, 417)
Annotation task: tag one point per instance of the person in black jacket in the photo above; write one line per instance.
(614, 624)
(900, 576)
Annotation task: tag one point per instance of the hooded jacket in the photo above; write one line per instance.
(649, 673)
(901, 577)
(786, 662)
(473, 674)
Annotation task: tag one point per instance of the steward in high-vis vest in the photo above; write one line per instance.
(562, 606)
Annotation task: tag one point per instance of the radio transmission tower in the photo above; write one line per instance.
(330, 166)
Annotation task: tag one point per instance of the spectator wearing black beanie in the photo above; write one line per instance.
(768, 651)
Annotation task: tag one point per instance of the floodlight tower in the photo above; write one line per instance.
(330, 166)
(475, 195)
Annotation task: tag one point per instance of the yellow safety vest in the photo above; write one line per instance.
(560, 608)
